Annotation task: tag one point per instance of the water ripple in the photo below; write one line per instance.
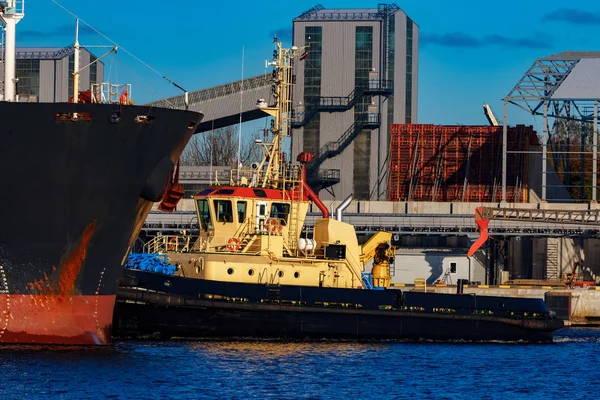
(262, 369)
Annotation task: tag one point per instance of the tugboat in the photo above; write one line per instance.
(255, 270)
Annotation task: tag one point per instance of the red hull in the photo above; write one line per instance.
(44, 319)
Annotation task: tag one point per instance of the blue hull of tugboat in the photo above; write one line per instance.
(154, 305)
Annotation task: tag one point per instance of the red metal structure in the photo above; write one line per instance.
(457, 163)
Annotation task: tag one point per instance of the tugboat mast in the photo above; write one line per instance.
(280, 110)
(11, 12)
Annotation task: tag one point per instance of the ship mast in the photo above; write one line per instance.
(76, 47)
(11, 12)
(280, 110)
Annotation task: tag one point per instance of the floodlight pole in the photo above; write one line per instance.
(595, 151)
(545, 150)
(504, 150)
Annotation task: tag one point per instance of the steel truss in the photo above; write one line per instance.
(536, 93)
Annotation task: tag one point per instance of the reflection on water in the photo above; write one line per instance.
(271, 349)
(259, 369)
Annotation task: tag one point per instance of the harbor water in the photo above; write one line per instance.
(254, 369)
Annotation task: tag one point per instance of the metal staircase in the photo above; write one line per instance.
(552, 259)
(343, 103)
(332, 149)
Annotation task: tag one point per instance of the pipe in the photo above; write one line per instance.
(315, 199)
(343, 205)
(305, 158)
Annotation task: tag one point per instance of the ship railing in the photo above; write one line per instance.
(269, 226)
(309, 247)
(161, 244)
(287, 177)
(12, 7)
(111, 93)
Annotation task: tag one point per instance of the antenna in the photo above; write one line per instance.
(239, 154)
(76, 46)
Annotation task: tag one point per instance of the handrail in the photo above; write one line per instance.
(333, 148)
(344, 103)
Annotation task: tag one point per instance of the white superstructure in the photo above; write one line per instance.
(11, 12)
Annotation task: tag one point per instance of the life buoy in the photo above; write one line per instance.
(233, 244)
(272, 224)
(172, 244)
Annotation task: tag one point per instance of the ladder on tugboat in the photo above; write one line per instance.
(293, 222)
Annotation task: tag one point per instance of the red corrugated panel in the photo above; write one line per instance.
(436, 156)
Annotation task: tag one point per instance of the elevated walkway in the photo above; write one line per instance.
(221, 104)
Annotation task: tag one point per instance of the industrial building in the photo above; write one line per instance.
(46, 74)
(358, 76)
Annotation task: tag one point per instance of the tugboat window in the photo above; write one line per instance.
(230, 271)
(280, 274)
(204, 215)
(280, 211)
(224, 191)
(223, 210)
(260, 193)
(452, 267)
(241, 210)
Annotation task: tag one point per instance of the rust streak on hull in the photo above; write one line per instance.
(37, 319)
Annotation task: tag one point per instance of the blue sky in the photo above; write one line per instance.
(471, 52)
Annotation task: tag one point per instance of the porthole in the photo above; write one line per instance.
(250, 272)
(296, 274)
(114, 117)
(280, 274)
(230, 271)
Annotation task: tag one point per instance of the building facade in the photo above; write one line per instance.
(46, 74)
(358, 76)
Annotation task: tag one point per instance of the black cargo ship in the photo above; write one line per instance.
(78, 181)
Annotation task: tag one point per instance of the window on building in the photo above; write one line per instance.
(71, 70)
(363, 65)
(223, 210)
(313, 35)
(409, 76)
(241, 210)
(391, 66)
(204, 215)
(93, 70)
(28, 75)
